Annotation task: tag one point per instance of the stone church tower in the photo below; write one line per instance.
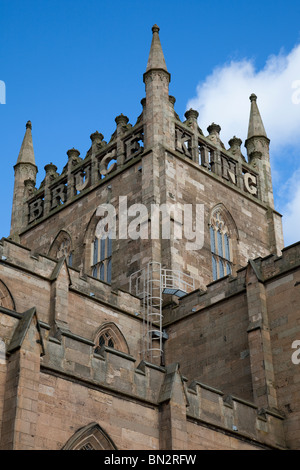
(146, 297)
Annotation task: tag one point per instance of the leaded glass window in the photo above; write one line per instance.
(221, 249)
(105, 339)
(101, 258)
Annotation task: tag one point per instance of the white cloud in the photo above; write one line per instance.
(291, 209)
(223, 98)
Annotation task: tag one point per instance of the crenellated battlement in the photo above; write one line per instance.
(210, 153)
(231, 413)
(266, 269)
(198, 300)
(273, 265)
(157, 124)
(117, 373)
(102, 160)
(16, 256)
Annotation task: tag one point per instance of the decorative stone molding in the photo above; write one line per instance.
(111, 336)
(6, 298)
(90, 437)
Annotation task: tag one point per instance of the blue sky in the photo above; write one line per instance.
(72, 66)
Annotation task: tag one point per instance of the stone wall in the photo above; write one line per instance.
(238, 335)
(189, 183)
(63, 385)
(208, 336)
(283, 300)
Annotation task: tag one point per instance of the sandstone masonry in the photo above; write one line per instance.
(140, 343)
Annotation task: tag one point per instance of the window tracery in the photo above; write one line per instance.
(110, 336)
(6, 299)
(62, 247)
(90, 437)
(102, 258)
(221, 246)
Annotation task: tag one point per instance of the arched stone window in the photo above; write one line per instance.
(97, 257)
(110, 335)
(101, 258)
(90, 437)
(6, 299)
(222, 238)
(62, 246)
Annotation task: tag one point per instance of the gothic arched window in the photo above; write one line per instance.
(105, 339)
(64, 249)
(90, 437)
(101, 258)
(6, 299)
(62, 246)
(221, 249)
(110, 335)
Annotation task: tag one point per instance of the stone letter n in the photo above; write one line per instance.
(228, 168)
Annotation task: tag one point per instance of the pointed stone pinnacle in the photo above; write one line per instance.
(256, 127)
(156, 58)
(26, 154)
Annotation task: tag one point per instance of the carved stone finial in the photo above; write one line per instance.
(235, 147)
(214, 134)
(50, 169)
(191, 114)
(235, 142)
(73, 153)
(155, 28)
(121, 120)
(28, 125)
(252, 97)
(96, 137)
(214, 128)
